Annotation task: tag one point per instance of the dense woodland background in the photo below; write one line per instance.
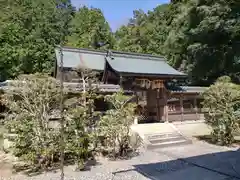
(199, 37)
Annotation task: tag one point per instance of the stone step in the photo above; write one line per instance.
(163, 135)
(168, 144)
(167, 139)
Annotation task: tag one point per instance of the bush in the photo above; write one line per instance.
(115, 125)
(77, 135)
(222, 101)
(33, 101)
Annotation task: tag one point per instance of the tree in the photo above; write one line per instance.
(32, 101)
(89, 29)
(199, 37)
(81, 117)
(204, 37)
(222, 101)
(131, 38)
(29, 32)
(145, 32)
(115, 125)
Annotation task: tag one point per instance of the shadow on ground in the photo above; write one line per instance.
(215, 166)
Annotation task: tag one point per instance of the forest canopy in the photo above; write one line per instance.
(198, 37)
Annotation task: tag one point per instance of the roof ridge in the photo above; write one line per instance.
(118, 53)
(137, 54)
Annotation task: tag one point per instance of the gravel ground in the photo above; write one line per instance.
(105, 170)
(156, 165)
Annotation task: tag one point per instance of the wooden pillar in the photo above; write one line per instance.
(195, 107)
(121, 81)
(136, 95)
(165, 106)
(158, 105)
(181, 106)
(166, 113)
(136, 115)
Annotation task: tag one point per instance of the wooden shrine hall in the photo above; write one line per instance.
(148, 77)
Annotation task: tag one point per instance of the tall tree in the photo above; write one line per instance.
(131, 37)
(145, 32)
(29, 31)
(89, 29)
(200, 37)
(205, 37)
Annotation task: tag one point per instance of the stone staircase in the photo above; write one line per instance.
(153, 141)
(160, 135)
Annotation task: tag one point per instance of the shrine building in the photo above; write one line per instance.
(149, 78)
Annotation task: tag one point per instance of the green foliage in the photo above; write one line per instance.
(77, 139)
(222, 100)
(31, 101)
(145, 32)
(131, 37)
(205, 33)
(200, 37)
(81, 119)
(89, 29)
(33, 121)
(29, 32)
(115, 125)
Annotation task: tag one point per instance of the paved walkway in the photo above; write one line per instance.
(192, 128)
(152, 128)
(199, 161)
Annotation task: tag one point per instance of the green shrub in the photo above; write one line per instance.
(33, 101)
(222, 101)
(115, 125)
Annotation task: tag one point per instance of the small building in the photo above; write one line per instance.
(146, 76)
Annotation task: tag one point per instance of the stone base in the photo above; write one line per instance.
(7, 142)
(135, 120)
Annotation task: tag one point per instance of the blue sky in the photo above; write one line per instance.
(117, 12)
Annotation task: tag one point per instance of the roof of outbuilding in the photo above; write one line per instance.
(72, 86)
(187, 89)
(121, 62)
(76, 58)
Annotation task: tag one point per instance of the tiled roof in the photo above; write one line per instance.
(142, 65)
(187, 89)
(76, 58)
(121, 62)
(197, 89)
